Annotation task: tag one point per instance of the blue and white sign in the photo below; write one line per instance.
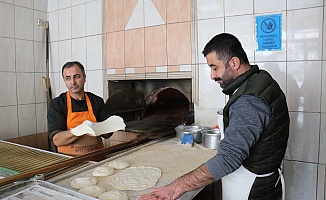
(269, 32)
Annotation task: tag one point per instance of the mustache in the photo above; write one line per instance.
(217, 79)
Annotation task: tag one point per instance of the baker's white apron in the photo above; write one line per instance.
(237, 185)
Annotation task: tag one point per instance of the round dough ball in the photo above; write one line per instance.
(113, 195)
(120, 164)
(93, 191)
(79, 183)
(103, 171)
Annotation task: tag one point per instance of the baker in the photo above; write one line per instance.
(256, 130)
(70, 109)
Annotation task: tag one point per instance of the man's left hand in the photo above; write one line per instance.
(165, 193)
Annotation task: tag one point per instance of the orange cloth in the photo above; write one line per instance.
(85, 143)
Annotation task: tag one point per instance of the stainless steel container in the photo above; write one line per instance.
(194, 130)
(211, 138)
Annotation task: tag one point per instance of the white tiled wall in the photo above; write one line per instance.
(323, 91)
(78, 50)
(24, 23)
(7, 15)
(207, 28)
(238, 7)
(266, 6)
(7, 53)
(322, 142)
(78, 14)
(22, 64)
(304, 186)
(94, 18)
(300, 90)
(299, 68)
(75, 34)
(304, 39)
(245, 31)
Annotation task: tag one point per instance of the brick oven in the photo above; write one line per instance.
(151, 106)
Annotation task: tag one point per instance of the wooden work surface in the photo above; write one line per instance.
(173, 158)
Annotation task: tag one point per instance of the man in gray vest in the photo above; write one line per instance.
(256, 131)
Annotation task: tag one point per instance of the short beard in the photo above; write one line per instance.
(227, 78)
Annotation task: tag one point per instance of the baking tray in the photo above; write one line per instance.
(40, 190)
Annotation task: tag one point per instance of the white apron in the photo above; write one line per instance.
(237, 185)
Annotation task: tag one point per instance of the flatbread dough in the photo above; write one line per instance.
(111, 124)
(103, 171)
(93, 191)
(136, 178)
(79, 183)
(121, 164)
(82, 129)
(113, 195)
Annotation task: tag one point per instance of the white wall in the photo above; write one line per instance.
(76, 34)
(22, 66)
(299, 68)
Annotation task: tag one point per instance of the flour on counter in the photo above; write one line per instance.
(113, 195)
(170, 156)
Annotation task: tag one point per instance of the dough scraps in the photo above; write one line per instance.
(113, 195)
(119, 164)
(93, 191)
(103, 171)
(136, 178)
(79, 183)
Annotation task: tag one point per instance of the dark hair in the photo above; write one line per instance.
(226, 46)
(70, 64)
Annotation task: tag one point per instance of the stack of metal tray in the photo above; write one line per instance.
(38, 189)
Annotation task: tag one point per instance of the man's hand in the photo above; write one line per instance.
(63, 138)
(168, 192)
(198, 178)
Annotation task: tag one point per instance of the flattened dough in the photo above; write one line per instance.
(111, 124)
(119, 164)
(79, 183)
(82, 129)
(136, 178)
(93, 191)
(113, 195)
(103, 171)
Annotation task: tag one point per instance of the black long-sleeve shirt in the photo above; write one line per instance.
(57, 114)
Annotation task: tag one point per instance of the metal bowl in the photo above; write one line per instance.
(194, 130)
(211, 138)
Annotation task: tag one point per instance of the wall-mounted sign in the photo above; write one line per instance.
(269, 32)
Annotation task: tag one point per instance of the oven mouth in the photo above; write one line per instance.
(163, 110)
